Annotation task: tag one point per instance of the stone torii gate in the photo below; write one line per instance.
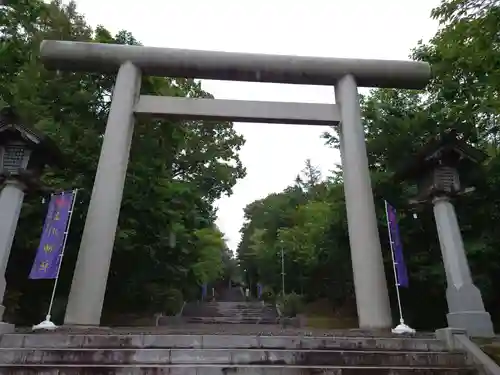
(131, 62)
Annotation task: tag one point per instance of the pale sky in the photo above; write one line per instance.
(273, 154)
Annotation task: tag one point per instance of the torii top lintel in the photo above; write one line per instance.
(170, 62)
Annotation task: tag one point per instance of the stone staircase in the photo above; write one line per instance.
(230, 313)
(234, 294)
(195, 354)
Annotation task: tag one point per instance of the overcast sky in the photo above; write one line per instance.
(273, 154)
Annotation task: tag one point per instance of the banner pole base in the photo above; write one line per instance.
(46, 325)
(402, 329)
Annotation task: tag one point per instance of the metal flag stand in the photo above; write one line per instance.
(47, 324)
(401, 328)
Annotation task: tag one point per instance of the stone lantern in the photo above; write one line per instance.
(436, 171)
(24, 152)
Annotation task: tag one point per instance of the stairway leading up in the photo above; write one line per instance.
(126, 353)
(230, 313)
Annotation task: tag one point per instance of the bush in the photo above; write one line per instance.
(172, 301)
(268, 295)
(291, 305)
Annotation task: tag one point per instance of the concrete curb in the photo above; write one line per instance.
(457, 339)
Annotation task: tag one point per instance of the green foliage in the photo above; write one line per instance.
(308, 220)
(166, 235)
(268, 295)
(172, 301)
(291, 305)
(209, 265)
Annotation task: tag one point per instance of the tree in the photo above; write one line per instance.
(166, 236)
(463, 95)
(209, 265)
(297, 221)
(310, 176)
(466, 67)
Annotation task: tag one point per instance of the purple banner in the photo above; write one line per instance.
(48, 255)
(203, 291)
(396, 246)
(259, 290)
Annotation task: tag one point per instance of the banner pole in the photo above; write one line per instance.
(401, 320)
(401, 327)
(47, 323)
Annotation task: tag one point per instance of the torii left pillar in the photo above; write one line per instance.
(91, 272)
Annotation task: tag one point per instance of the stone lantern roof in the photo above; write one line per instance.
(24, 151)
(44, 149)
(440, 165)
(447, 148)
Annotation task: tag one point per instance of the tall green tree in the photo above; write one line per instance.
(166, 237)
(462, 95)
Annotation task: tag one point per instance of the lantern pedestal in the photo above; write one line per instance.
(465, 304)
(437, 170)
(24, 152)
(11, 201)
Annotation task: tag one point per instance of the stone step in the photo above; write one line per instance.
(244, 312)
(238, 315)
(229, 320)
(102, 341)
(251, 307)
(222, 313)
(225, 370)
(256, 305)
(223, 305)
(241, 312)
(256, 308)
(259, 312)
(256, 316)
(228, 357)
(229, 329)
(256, 312)
(235, 316)
(219, 312)
(227, 311)
(228, 303)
